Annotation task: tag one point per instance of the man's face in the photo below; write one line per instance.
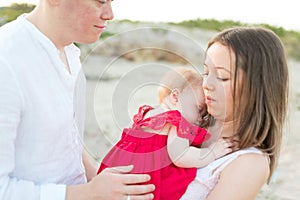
(85, 20)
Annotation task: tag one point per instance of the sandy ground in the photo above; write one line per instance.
(117, 87)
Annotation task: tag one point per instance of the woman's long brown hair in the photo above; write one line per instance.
(261, 106)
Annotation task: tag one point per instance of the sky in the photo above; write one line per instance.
(279, 13)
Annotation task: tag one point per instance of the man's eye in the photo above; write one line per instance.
(102, 1)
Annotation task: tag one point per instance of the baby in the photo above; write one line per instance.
(165, 141)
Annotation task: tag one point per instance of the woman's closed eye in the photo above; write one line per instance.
(222, 79)
(205, 74)
(222, 75)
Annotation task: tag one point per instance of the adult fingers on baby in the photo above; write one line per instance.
(139, 197)
(123, 173)
(130, 179)
(120, 169)
(138, 191)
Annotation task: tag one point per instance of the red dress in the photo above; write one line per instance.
(148, 152)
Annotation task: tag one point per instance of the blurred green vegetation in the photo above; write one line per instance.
(106, 34)
(10, 13)
(290, 38)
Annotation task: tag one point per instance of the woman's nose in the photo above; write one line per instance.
(207, 83)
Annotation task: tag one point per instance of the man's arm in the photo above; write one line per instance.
(11, 103)
(90, 169)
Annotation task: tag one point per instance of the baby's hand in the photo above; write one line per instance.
(222, 147)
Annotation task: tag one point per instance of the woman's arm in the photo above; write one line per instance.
(184, 155)
(241, 179)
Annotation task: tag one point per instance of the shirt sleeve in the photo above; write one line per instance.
(14, 188)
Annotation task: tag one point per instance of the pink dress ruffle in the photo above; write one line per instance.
(148, 152)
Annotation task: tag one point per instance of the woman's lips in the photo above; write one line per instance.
(209, 99)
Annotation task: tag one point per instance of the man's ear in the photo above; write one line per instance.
(174, 96)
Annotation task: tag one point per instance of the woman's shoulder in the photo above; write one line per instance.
(252, 160)
(242, 176)
(248, 165)
(252, 156)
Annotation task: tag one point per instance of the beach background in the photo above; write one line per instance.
(124, 66)
(122, 73)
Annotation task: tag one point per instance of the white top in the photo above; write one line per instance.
(208, 176)
(42, 110)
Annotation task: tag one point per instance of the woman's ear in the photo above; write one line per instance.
(174, 96)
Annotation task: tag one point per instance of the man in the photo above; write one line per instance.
(42, 110)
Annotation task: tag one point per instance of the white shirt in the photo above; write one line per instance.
(42, 110)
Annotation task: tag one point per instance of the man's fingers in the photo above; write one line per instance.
(139, 190)
(134, 185)
(135, 178)
(140, 197)
(126, 177)
(120, 169)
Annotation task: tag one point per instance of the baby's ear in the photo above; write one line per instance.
(174, 96)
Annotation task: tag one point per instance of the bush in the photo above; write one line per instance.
(290, 39)
(12, 12)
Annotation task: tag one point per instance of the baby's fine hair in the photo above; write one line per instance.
(179, 78)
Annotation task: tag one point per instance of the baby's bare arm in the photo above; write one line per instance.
(184, 155)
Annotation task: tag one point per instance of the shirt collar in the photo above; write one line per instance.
(46, 43)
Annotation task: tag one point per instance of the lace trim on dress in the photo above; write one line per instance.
(174, 117)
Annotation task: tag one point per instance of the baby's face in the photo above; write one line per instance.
(192, 101)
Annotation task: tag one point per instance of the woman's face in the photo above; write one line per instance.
(218, 82)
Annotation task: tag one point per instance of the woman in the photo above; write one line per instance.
(246, 91)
